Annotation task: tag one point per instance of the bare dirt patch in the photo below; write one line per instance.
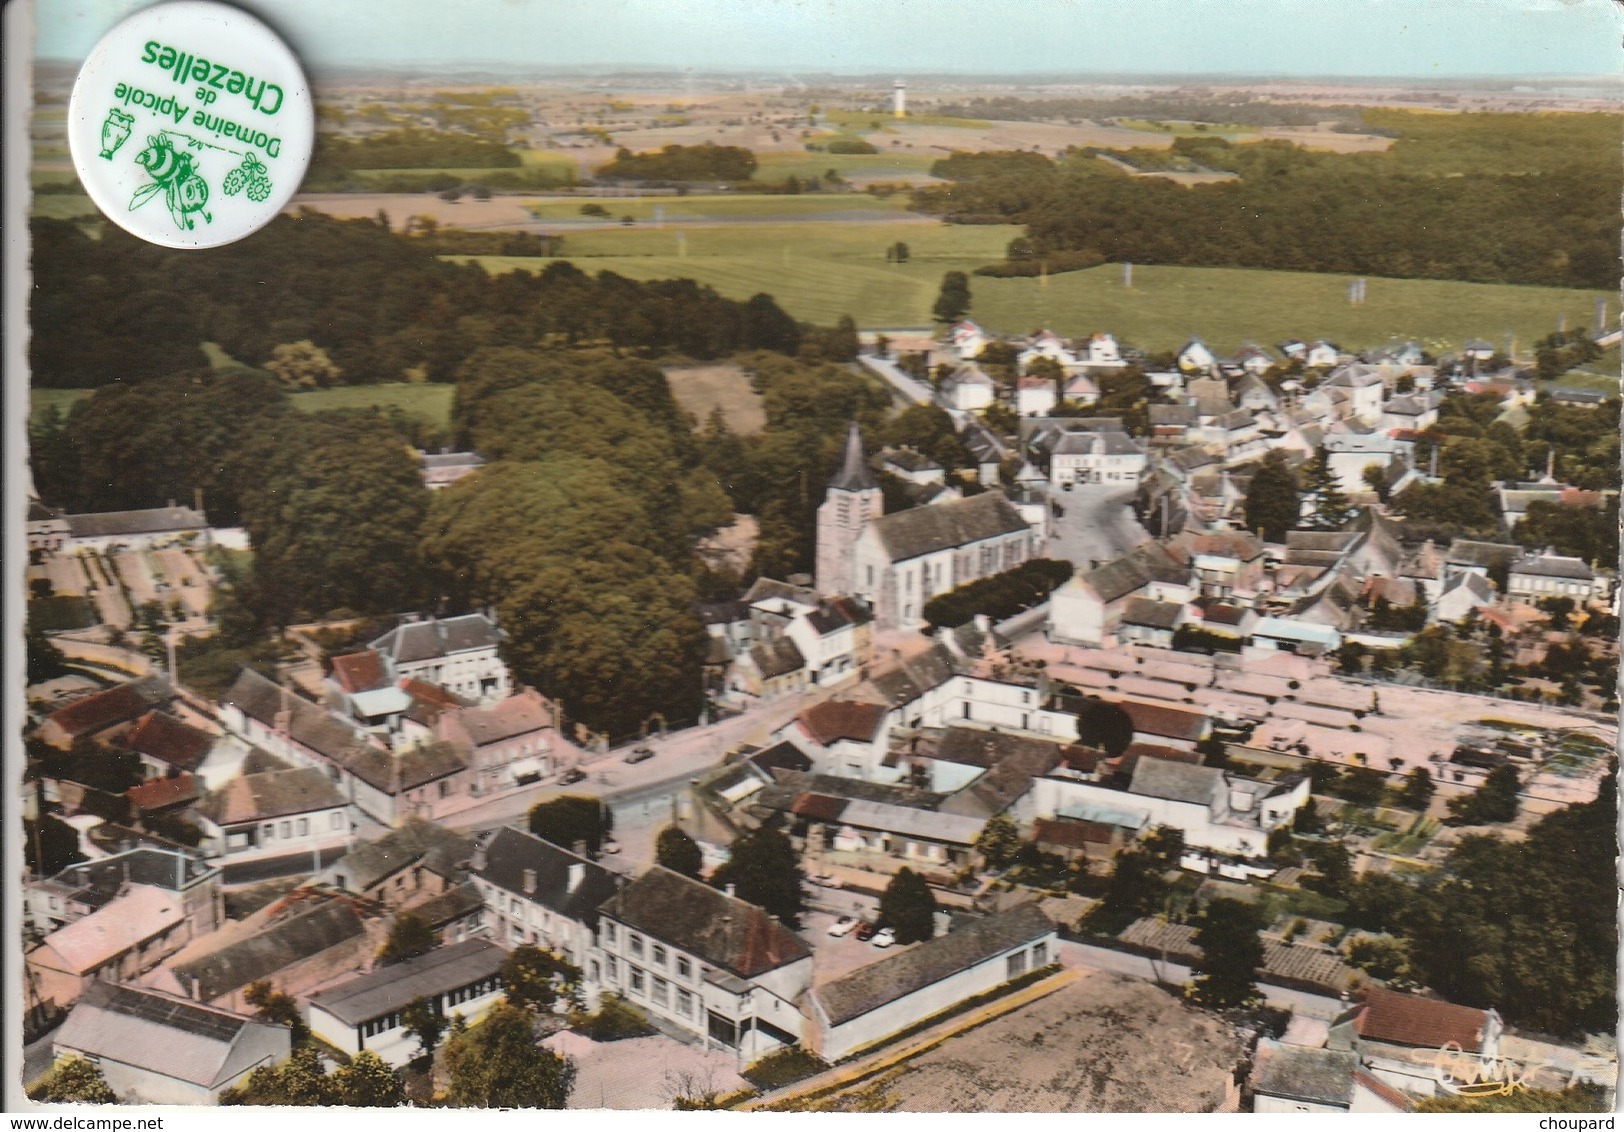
(498, 212)
(700, 389)
(1103, 1044)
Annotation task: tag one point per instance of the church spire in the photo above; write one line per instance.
(854, 473)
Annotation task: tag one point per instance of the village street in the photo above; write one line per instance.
(1092, 523)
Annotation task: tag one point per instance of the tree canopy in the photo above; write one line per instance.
(908, 907)
(1231, 953)
(675, 850)
(571, 820)
(409, 936)
(497, 1064)
(764, 870)
(1273, 500)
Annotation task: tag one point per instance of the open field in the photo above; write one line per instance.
(858, 168)
(431, 402)
(1103, 1044)
(720, 206)
(700, 389)
(818, 273)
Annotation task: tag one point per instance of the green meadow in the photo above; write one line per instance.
(719, 206)
(819, 271)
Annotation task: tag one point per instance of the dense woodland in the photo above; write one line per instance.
(112, 308)
(706, 162)
(1486, 198)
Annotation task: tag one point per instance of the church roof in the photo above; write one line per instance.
(963, 522)
(854, 473)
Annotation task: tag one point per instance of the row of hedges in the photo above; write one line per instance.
(1000, 596)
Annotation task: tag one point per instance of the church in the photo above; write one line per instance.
(896, 563)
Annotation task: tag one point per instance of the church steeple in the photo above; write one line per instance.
(852, 501)
(853, 473)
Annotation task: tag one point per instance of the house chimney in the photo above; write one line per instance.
(732, 891)
(577, 875)
(480, 859)
(530, 882)
(579, 848)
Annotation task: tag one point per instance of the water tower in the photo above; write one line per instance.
(899, 99)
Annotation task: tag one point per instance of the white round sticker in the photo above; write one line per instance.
(191, 124)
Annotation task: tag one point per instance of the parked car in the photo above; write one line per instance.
(640, 754)
(843, 926)
(885, 937)
(866, 930)
(571, 776)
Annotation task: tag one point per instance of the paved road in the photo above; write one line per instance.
(906, 388)
(1094, 523)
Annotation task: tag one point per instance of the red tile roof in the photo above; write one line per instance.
(161, 736)
(359, 671)
(1383, 1090)
(1070, 834)
(161, 793)
(99, 711)
(1409, 1020)
(842, 719)
(1168, 722)
(818, 807)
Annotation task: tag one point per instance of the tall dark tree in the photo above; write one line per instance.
(763, 869)
(74, 1080)
(1331, 508)
(1104, 725)
(1231, 953)
(424, 1023)
(1418, 789)
(953, 301)
(572, 821)
(272, 1005)
(908, 907)
(1273, 501)
(1494, 802)
(409, 936)
(678, 852)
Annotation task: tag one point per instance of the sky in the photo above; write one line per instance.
(1353, 38)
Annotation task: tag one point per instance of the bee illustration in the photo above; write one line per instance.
(171, 171)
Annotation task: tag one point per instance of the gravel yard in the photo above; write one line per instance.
(1103, 1044)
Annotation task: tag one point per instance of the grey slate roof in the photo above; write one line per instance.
(1553, 566)
(1145, 563)
(1176, 782)
(962, 522)
(777, 658)
(170, 869)
(313, 726)
(1151, 614)
(278, 946)
(256, 797)
(916, 675)
(1317, 1076)
(156, 520)
(389, 989)
(853, 473)
(1172, 415)
(438, 849)
(1466, 552)
(165, 1034)
(512, 851)
(691, 916)
(897, 976)
(425, 640)
(1096, 444)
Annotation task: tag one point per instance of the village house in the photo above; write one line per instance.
(1215, 809)
(47, 528)
(442, 469)
(364, 1013)
(537, 894)
(104, 716)
(279, 813)
(1363, 387)
(967, 339)
(908, 464)
(1087, 610)
(404, 868)
(168, 746)
(307, 938)
(1463, 595)
(1194, 357)
(156, 526)
(857, 1010)
(967, 389)
(157, 1049)
(505, 744)
(1080, 390)
(1295, 1079)
(1035, 396)
(457, 653)
(705, 962)
(1548, 574)
(1102, 350)
(1386, 1029)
